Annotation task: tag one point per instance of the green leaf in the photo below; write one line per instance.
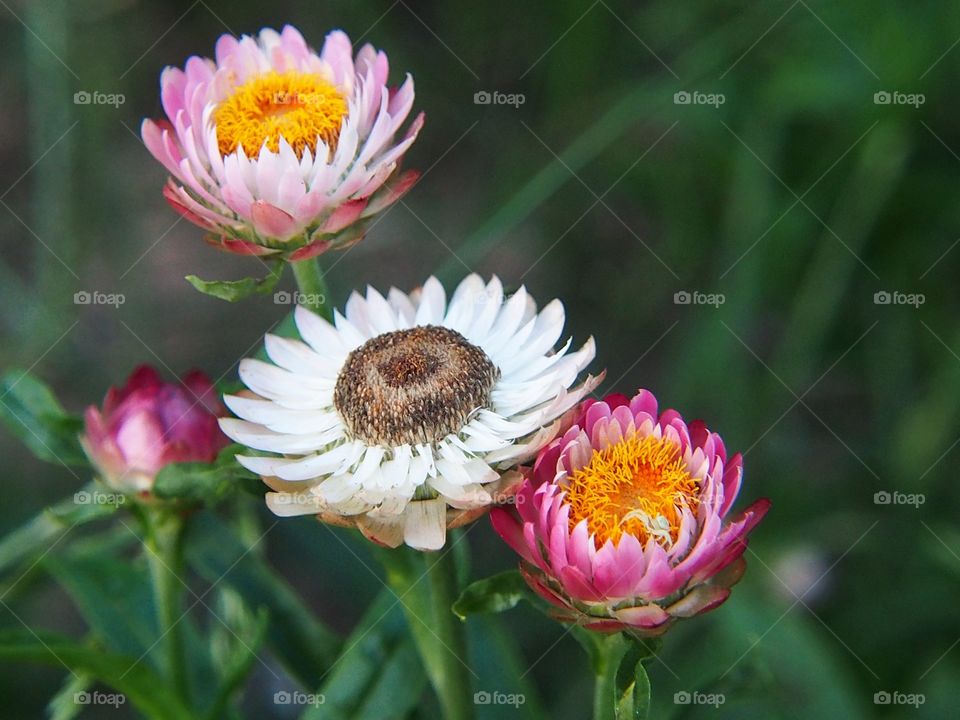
(32, 413)
(303, 644)
(205, 482)
(38, 534)
(493, 594)
(234, 290)
(498, 662)
(238, 648)
(140, 686)
(64, 705)
(634, 703)
(113, 596)
(379, 676)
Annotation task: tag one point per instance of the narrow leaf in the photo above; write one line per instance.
(234, 290)
(138, 684)
(493, 594)
(32, 413)
(302, 643)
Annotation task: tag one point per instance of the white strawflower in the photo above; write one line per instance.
(404, 417)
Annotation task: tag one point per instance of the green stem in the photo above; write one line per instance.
(455, 691)
(604, 695)
(164, 543)
(438, 635)
(606, 653)
(312, 286)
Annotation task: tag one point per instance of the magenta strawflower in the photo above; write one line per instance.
(148, 424)
(279, 150)
(623, 520)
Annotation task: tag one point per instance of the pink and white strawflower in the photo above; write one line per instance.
(148, 424)
(280, 150)
(623, 521)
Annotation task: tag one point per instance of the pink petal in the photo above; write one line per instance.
(271, 221)
(309, 251)
(506, 525)
(643, 616)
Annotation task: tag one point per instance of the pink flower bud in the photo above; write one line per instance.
(148, 424)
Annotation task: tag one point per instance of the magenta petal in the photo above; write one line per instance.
(604, 626)
(579, 549)
(541, 589)
(577, 586)
(509, 528)
(240, 247)
(343, 216)
(545, 467)
(309, 251)
(732, 477)
(595, 413)
(628, 569)
(170, 195)
(644, 402)
(271, 221)
(557, 548)
(392, 192)
(643, 616)
(615, 400)
(699, 600)
(659, 580)
(533, 544)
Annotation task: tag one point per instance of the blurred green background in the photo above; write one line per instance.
(786, 185)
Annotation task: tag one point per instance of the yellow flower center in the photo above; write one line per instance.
(636, 486)
(299, 107)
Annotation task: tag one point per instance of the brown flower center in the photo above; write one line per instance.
(413, 386)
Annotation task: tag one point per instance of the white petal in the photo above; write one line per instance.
(290, 505)
(260, 438)
(433, 303)
(425, 524)
(319, 334)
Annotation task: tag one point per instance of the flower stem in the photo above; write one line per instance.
(604, 689)
(439, 637)
(455, 690)
(606, 653)
(164, 544)
(312, 286)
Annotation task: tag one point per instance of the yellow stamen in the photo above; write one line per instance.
(636, 486)
(300, 107)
